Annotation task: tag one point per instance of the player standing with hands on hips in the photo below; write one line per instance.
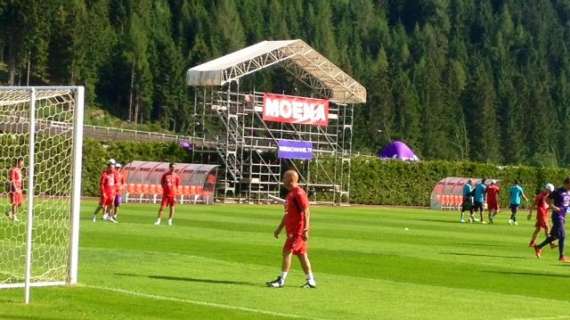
(297, 225)
(16, 189)
(170, 182)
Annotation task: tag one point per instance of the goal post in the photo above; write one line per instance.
(43, 126)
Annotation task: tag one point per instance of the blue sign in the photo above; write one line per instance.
(294, 149)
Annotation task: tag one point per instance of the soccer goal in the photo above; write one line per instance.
(43, 126)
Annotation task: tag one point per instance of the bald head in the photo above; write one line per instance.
(290, 179)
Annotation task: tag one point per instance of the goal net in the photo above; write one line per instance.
(43, 127)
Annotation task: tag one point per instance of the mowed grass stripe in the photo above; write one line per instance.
(367, 264)
(447, 265)
(231, 280)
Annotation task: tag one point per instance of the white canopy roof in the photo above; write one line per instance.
(297, 57)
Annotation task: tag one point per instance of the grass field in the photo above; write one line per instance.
(213, 264)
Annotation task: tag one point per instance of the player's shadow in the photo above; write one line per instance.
(187, 279)
(475, 244)
(482, 255)
(437, 220)
(35, 317)
(534, 274)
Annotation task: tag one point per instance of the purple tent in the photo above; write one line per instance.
(185, 144)
(399, 151)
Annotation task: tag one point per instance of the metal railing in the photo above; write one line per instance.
(121, 134)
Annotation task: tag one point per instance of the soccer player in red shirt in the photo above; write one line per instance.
(170, 182)
(297, 225)
(493, 200)
(120, 183)
(107, 189)
(16, 190)
(541, 205)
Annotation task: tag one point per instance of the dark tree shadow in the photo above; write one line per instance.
(475, 244)
(438, 220)
(534, 274)
(482, 255)
(188, 279)
(35, 317)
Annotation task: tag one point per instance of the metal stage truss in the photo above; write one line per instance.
(246, 145)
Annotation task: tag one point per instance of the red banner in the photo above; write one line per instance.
(299, 110)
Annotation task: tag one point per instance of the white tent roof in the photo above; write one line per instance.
(297, 57)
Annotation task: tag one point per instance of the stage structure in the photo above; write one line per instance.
(258, 135)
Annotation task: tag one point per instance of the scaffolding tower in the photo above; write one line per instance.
(229, 118)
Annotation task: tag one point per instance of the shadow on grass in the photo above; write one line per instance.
(476, 244)
(35, 317)
(437, 220)
(188, 279)
(534, 274)
(482, 255)
(11, 301)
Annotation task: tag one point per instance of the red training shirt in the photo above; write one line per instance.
(296, 203)
(16, 179)
(107, 182)
(541, 202)
(493, 194)
(170, 182)
(120, 182)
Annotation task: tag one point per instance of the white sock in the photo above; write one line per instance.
(310, 278)
(170, 221)
(158, 220)
(283, 276)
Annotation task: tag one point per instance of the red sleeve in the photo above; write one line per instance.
(162, 182)
(12, 175)
(177, 181)
(102, 181)
(302, 199)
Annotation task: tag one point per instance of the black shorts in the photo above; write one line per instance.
(467, 204)
(477, 205)
(558, 231)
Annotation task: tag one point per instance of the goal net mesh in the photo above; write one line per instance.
(52, 189)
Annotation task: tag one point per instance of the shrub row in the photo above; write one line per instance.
(373, 181)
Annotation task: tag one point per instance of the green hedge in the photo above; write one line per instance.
(96, 154)
(374, 181)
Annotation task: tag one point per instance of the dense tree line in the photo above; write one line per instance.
(484, 80)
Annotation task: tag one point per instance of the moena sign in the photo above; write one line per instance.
(299, 110)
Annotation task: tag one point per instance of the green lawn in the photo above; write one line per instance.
(213, 264)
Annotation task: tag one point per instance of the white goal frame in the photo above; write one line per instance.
(75, 200)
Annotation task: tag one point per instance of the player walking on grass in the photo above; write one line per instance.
(170, 182)
(296, 221)
(516, 195)
(559, 201)
(467, 204)
(16, 191)
(480, 193)
(493, 200)
(541, 205)
(107, 189)
(120, 188)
